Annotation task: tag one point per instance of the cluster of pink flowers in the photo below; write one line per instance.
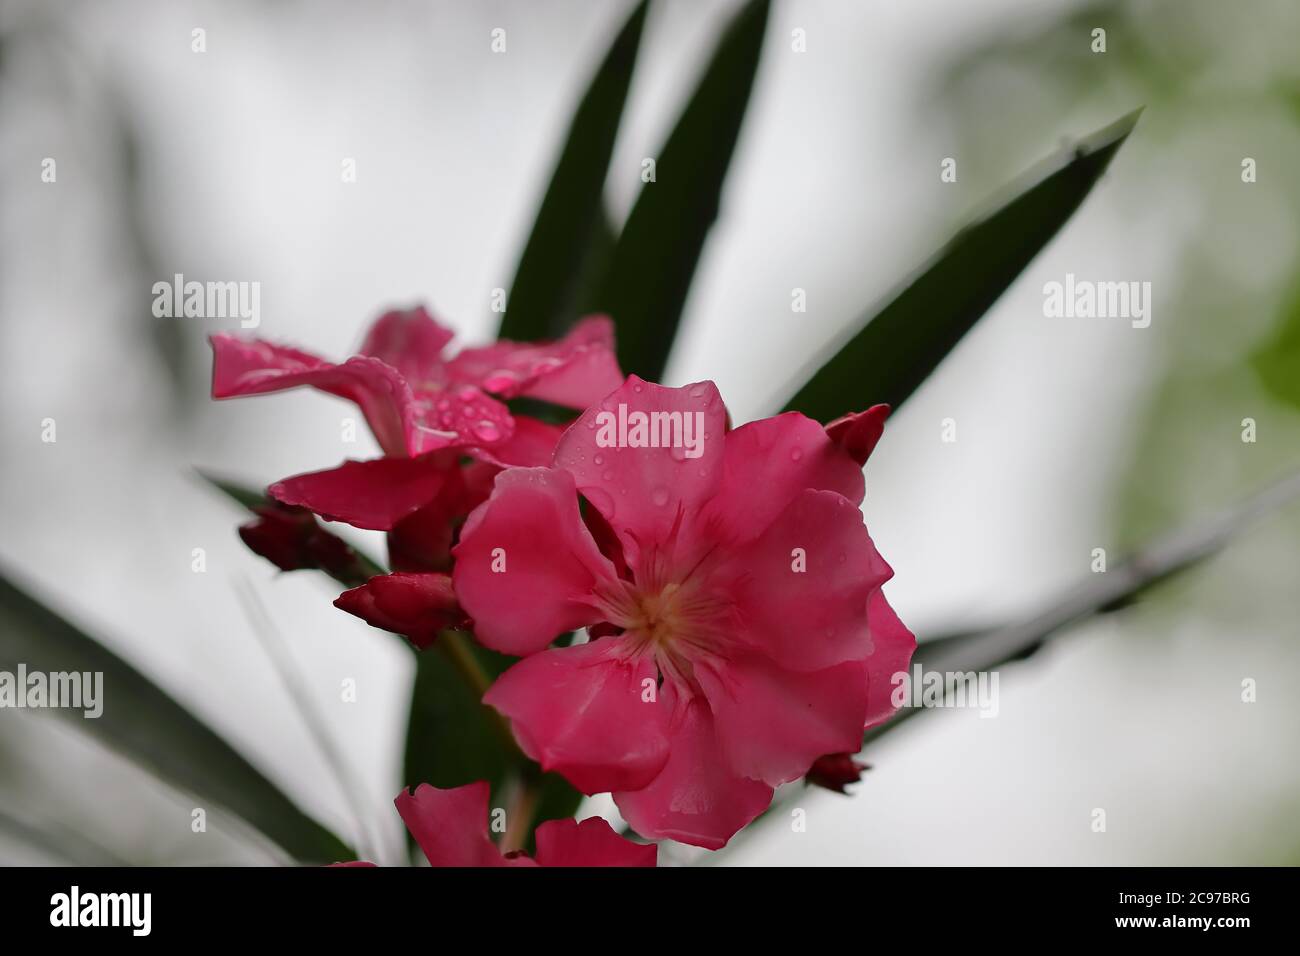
(737, 634)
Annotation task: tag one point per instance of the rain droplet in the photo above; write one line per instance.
(660, 497)
(796, 454)
(597, 460)
(486, 431)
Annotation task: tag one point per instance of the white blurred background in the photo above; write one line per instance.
(1072, 433)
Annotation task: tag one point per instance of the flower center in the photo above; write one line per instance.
(679, 623)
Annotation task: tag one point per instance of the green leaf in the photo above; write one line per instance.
(888, 354)
(145, 724)
(654, 261)
(450, 737)
(1277, 363)
(569, 224)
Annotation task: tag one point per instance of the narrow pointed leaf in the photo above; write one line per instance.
(654, 261)
(566, 234)
(145, 724)
(889, 353)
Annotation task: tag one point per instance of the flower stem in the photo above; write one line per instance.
(456, 647)
(520, 812)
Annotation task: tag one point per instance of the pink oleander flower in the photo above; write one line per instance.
(444, 432)
(731, 591)
(451, 828)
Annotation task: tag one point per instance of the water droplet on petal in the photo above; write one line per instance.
(660, 497)
(598, 460)
(796, 454)
(486, 431)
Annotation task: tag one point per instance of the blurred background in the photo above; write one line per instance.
(1072, 434)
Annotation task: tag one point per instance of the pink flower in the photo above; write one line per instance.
(414, 400)
(451, 828)
(428, 414)
(745, 633)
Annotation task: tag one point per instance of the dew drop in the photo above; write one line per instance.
(796, 454)
(486, 431)
(660, 497)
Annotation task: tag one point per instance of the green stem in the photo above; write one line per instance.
(455, 645)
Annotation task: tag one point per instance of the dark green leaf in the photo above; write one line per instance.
(1277, 363)
(145, 724)
(656, 255)
(889, 353)
(569, 224)
(450, 737)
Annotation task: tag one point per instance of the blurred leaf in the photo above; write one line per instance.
(450, 737)
(891, 353)
(1278, 363)
(1123, 583)
(654, 261)
(571, 216)
(143, 723)
(453, 739)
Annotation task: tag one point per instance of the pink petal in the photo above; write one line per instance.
(646, 492)
(696, 799)
(577, 371)
(767, 463)
(531, 446)
(811, 619)
(858, 432)
(417, 606)
(450, 825)
(404, 422)
(254, 367)
(581, 712)
(551, 564)
(456, 417)
(411, 341)
(773, 724)
(891, 654)
(422, 541)
(592, 842)
(374, 494)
